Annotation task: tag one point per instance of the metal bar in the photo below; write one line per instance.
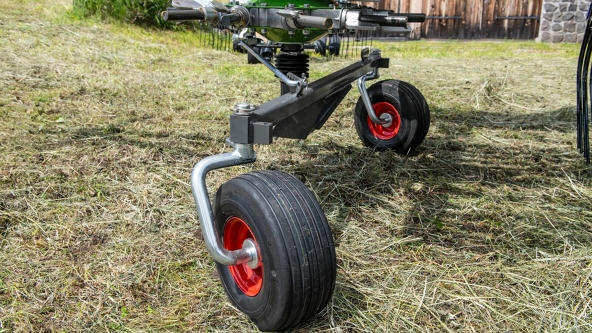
(366, 99)
(517, 18)
(287, 105)
(443, 17)
(580, 89)
(583, 91)
(242, 154)
(295, 86)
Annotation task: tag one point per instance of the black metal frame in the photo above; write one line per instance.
(583, 90)
(297, 115)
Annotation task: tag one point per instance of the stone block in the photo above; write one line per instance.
(570, 38)
(549, 8)
(545, 37)
(569, 27)
(563, 7)
(557, 38)
(557, 17)
(580, 17)
(545, 26)
(548, 16)
(573, 8)
(557, 27)
(581, 27)
(584, 5)
(580, 38)
(568, 16)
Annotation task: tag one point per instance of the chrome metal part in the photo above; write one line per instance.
(296, 85)
(293, 19)
(249, 245)
(241, 154)
(385, 119)
(210, 15)
(243, 109)
(240, 17)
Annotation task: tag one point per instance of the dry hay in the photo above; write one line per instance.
(487, 228)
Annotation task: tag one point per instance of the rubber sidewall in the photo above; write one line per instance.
(274, 293)
(388, 91)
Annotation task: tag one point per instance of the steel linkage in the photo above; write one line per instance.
(584, 86)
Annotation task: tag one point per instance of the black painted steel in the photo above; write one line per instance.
(172, 14)
(297, 115)
(584, 86)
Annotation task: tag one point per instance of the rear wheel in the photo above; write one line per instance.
(407, 109)
(295, 276)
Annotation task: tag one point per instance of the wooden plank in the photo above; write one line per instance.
(488, 12)
(479, 18)
(415, 7)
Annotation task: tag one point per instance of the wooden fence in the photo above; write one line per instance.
(470, 19)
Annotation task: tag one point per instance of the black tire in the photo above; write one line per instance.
(297, 268)
(334, 48)
(409, 110)
(320, 47)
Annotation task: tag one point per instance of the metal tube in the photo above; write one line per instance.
(172, 14)
(387, 120)
(295, 86)
(314, 22)
(242, 154)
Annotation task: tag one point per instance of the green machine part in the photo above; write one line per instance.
(290, 37)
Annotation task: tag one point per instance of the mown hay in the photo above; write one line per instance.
(486, 228)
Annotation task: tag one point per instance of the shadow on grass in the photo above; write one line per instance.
(482, 181)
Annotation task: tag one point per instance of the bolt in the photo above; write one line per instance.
(244, 108)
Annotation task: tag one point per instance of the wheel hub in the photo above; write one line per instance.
(248, 276)
(385, 111)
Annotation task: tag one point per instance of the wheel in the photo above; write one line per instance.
(333, 44)
(334, 48)
(295, 276)
(320, 47)
(409, 113)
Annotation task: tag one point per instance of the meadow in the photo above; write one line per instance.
(487, 227)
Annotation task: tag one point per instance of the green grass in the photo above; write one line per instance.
(143, 12)
(487, 228)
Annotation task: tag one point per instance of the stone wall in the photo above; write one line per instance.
(563, 20)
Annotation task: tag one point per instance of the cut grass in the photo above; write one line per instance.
(487, 228)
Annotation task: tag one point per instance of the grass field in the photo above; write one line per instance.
(486, 228)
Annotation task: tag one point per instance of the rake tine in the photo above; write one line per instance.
(346, 35)
(586, 88)
(585, 120)
(583, 89)
(579, 90)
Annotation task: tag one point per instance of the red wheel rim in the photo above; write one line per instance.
(382, 132)
(249, 280)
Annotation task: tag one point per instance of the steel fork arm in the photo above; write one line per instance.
(297, 115)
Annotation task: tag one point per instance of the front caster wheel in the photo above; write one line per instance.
(407, 110)
(295, 275)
